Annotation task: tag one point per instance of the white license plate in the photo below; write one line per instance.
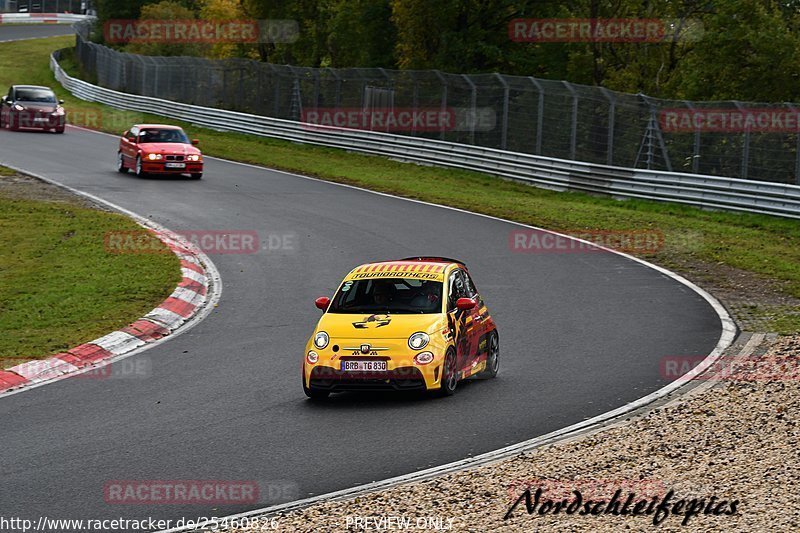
(41, 119)
(176, 165)
(364, 366)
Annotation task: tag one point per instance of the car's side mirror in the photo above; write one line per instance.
(61, 101)
(3, 99)
(195, 141)
(465, 304)
(322, 302)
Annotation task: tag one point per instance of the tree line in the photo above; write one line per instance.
(711, 50)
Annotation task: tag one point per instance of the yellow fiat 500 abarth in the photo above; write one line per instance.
(413, 324)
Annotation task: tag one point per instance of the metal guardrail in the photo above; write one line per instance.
(562, 175)
(35, 18)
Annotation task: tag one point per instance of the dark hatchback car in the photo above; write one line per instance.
(32, 106)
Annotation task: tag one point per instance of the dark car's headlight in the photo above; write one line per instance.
(18, 107)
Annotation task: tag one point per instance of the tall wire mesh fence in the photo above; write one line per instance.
(516, 113)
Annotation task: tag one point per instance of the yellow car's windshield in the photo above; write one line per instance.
(387, 296)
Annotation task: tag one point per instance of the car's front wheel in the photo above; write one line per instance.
(315, 394)
(138, 170)
(121, 168)
(492, 358)
(449, 374)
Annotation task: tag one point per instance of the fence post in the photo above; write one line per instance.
(612, 110)
(696, 152)
(796, 147)
(504, 130)
(444, 96)
(473, 102)
(746, 147)
(574, 127)
(414, 103)
(277, 96)
(539, 114)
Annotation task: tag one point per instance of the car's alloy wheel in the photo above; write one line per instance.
(121, 168)
(139, 166)
(492, 358)
(449, 374)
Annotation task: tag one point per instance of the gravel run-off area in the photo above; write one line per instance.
(730, 447)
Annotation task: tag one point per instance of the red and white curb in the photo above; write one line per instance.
(192, 299)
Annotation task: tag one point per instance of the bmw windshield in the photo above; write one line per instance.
(152, 135)
(388, 296)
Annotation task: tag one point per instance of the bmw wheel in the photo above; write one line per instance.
(138, 170)
(121, 168)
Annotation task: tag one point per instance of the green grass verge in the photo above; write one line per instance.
(767, 247)
(59, 287)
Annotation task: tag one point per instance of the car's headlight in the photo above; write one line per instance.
(418, 340)
(153, 157)
(321, 340)
(18, 107)
(312, 357)
(423, 358)
(194, 157)
(59, 111)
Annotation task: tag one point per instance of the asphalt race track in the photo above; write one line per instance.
(580, 333)
(12, 32)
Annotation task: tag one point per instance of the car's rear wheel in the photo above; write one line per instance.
(138, 170)
(449, 374)
(196, 175)
(121, 168)
(315, 394)
(492, 358)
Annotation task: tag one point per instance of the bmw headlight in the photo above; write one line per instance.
(321, 340)
(18, 107)
(418, 340)
(153, 157)
(194, 157)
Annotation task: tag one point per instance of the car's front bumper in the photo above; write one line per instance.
(159, 167)
(401, 374)
(39, 121)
